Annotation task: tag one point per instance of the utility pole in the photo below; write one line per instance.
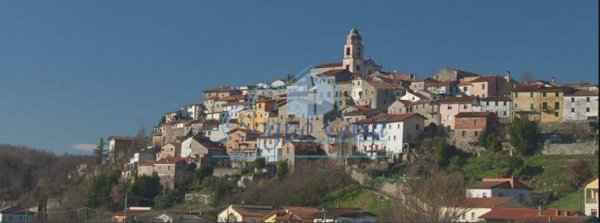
(125, 209)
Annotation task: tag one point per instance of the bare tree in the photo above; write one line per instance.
(527, 77)
(578, 171)
(436, 197)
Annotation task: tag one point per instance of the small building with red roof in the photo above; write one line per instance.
(500, 187)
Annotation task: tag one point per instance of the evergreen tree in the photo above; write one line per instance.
(99, 152)
(524, 135)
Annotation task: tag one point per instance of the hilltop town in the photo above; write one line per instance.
(349, 141)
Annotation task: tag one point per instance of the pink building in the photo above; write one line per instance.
(451, 106)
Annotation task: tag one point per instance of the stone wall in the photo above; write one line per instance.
(202, 198)
(570, 148)
(222, 172)
(578, 129)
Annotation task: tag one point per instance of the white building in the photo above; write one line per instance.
(501, 106)
(413, 96)
(389, 134)
(192, 111)
(472, 209)
(580, 105)
(503, 187)
(270, 147)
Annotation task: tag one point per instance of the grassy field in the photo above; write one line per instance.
(356, 197)
(569, 201)
(550, 175)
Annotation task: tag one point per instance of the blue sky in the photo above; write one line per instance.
(74, 71)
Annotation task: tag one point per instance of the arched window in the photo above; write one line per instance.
(348, 51)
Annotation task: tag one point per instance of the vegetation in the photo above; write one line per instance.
(144, 189)
(99, 152)
(354, 196)
(101, 187)
(28, 174)
(524, 135)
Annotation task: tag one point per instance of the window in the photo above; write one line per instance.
(544, 94)
(449, 107)
(464, 106)
(417, 127)
(531, 94)
(557, 105)
(572, 109)
(476, 133)
(587, 109)
(347, 51)
(484, 194)
(556, 94)
(504, 103)
(482, 85)
(572, 100)
(473, 216)
(475, 122)
(463, 133)
(555, 114)
(587, 99)
(544, 105)
(463, 123)
(504, 113)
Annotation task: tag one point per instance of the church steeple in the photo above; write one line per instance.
(354, 53)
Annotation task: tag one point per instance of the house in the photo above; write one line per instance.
(203, 149)
(451, 74)
(591, 197)
(413, 96)
(16, 214)
(242, 145)
(172, 116)
(357, 112)
(507, 214)
(388, 133)
(377, 91)
(471, 209)
(351, 215)
(539, 102)
(500, 187)
(499, 105)
(581, 105)
(472, 124)
(170, 150)
(170, 170)
(270, 146)
(451, 106)
(134, 214)
(192, 112)
(423, 107)
(297, 149)
(444, 88)
(487, 86)
(212, 95)
(292, 214)
(120, 147)
(139, 157)
(244, 213)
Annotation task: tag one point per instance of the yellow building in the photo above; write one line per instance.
(591, 198)
(253, 119)
(538, 102)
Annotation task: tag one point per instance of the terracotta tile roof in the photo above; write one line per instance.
(472, 114)
(334, 64)
(535, 87)
(456, 100)
(513, 214)
(342, 212)
(488, 202)
(220, 89)
(382, 82)
(363, 110)
(512, 182)
(387, 118)
(302, 212)
(582, 92)
(252, 210)
(486, 78)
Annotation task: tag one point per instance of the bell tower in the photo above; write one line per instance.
(354, 53)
